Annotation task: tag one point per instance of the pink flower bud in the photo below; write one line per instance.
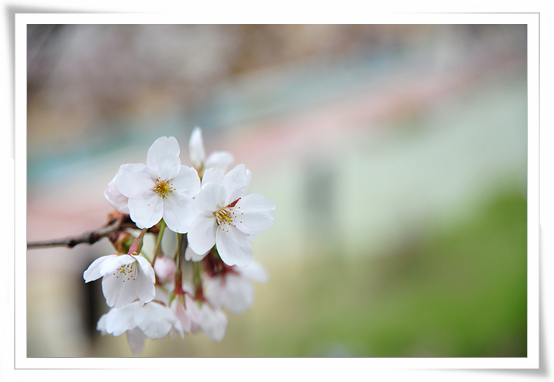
(165, 268)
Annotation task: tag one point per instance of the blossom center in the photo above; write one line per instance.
(163, 188)
(226, 216)
(127, 272)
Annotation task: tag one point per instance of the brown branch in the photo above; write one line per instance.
(87, 237)
(118, 222)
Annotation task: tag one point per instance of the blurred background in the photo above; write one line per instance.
(396, 156)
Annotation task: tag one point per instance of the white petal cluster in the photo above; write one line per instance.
(209, 209)
(124, 278)
(226, 218)
(152, 320)
(161, 188)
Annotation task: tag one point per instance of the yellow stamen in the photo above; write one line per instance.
(226, 215)
(163, 188)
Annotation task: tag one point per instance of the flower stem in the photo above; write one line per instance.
(158, 244)
(179, 252)
(197, 281)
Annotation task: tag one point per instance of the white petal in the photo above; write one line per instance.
(235, 183)
(135, 339)
(210, 198)
(118, 293)
(187, 181)
(177, 329)
(231, 292)
(144, 283)
(181, 314)
(196, 148)
(101, 325)
(201, 236)
(115, 261)
(256, 213)
(121, 288)
(239, 294)
(146, 211)
(190, 255)
(136, 182)
(93, 271)
(146, 268)
(214, 288)
(255, 272)
(116, 199)
(233, 246)
(248, 179)
(105, 265)
(193, 310)
(214, 323)
(163, 157)
(135, 179)
(161, 294)
(155, 320)
(212, 175)
(219, 160)
(179, 212)
(118, 321)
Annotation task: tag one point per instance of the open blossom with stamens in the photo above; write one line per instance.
(233, 289)
(219, 160)
(163, 188)
(227, 218)
(125, 278)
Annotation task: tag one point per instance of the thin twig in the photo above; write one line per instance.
(117, 223)
(88, 237)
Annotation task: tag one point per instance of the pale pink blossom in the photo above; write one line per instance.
(152, 320)
(226, 218)
(125, 278)
(233, 290)
(210, 320)
(163, 188)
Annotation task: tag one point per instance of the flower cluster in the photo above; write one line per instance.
(214, 220)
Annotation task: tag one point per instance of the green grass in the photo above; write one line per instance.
(460, 294)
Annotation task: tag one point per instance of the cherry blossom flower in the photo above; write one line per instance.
(125, 277)
(219, 160)
(181, 307)
(226, 218)
(213, 175)
(233, 289)
(116, 199)
(153, 320)
(163, 188)
(211, 320)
